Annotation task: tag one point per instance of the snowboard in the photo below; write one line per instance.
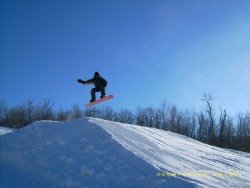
(108, 97)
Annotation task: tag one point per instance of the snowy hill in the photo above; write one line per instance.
(92, 152)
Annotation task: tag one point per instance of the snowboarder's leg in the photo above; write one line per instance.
(93, 90)
(103, 92)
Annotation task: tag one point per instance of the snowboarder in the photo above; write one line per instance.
(100, 86)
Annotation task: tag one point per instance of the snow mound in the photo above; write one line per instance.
(77, 153)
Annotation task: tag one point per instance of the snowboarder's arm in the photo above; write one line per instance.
(91, 81)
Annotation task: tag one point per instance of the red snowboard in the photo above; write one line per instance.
(108, 97)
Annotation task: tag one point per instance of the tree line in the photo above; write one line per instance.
(220, 130)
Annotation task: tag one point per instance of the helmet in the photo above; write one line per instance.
(96, 74)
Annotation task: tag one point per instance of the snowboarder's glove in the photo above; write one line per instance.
(80, 81)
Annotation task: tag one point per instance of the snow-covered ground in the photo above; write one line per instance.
(178, 155)
(92, 152)
(5, 130)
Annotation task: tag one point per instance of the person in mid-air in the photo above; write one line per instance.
(100, 85)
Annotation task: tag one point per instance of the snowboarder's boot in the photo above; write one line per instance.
(92, 100)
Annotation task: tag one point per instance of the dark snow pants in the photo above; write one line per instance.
(94, 90)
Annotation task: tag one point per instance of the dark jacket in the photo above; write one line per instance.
(99, 82)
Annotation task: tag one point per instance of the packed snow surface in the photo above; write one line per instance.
(179, 155)
(5, 130)
(91, 152)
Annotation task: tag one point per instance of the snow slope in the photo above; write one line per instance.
(76, 153)
(5, 130)
(91, 152)
(179, 155)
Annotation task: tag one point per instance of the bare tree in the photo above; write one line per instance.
(230, 133)
(140, 119)
(193, 125)
(188, 124)
(202, 133)
(211, 129)
(45, 111)
(76, 112)
(4, 114)
(222, 128)
(17, 117)
(243, 131)
(173, 119)
(107, 113)
(91, 112)
(158, 121)
(163, 112)
(29, 111)
(125, 116)
(150, 113)
(62, 115)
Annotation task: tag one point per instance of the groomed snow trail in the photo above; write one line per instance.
(179, 155)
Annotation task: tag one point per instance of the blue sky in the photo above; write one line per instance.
(148, 51)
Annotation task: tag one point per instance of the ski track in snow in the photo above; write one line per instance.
(77, 153)
(188, 158)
